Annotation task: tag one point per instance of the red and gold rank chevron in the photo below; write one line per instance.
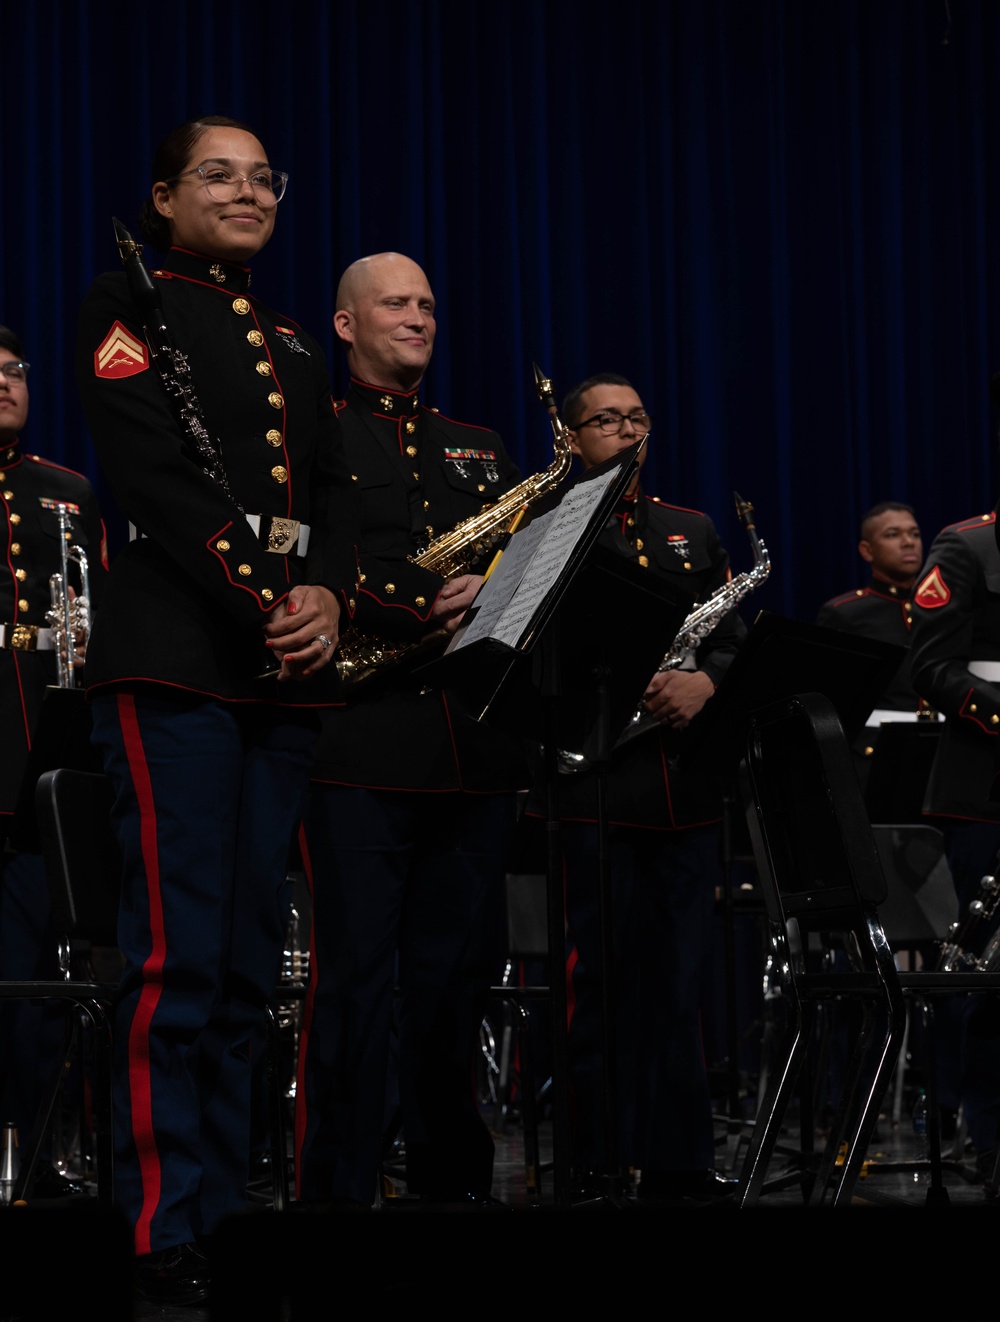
(933, 591)
(120, 354)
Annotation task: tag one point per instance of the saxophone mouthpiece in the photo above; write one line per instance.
(744, 511)
(127, 246)
(544, 387)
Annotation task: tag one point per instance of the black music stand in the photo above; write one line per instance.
(900, 769)
(569, 682)
(779, 659)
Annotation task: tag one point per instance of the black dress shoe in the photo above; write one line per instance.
(50, 1184)
(178, 1275)
(685, 1187)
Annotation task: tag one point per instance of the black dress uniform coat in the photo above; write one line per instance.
(882, 611)
(414, 474)
(956, 624)
(683, 547)
(31, 488)
(188, 598)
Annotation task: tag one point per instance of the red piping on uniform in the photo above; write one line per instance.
(152, 977)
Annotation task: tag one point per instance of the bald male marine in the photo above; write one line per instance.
(412, 800)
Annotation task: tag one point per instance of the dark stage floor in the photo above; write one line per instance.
(694, 1261)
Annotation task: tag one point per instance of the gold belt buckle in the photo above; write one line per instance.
(25, 637)
(283, 535)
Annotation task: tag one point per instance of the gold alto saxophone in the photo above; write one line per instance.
(69, 616)
(362, 657)
(696, 627)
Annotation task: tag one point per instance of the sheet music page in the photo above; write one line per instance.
(502, 583)
(537, 562)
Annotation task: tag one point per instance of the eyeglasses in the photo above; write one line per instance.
(15, 372)
(223, 184)
(611, 422)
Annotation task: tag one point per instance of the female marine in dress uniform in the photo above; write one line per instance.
(208, 759)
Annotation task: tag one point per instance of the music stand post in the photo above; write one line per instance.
(568, 683)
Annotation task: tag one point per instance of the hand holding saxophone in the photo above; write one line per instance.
(304, 630)
(454, 600)
(675, 697)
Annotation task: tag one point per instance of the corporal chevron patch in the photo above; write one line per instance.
(933, 591)
(120, 354)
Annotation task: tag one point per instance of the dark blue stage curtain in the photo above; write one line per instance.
(780, 220)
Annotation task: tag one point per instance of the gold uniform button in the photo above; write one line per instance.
(869, 751)
(222, 545)
(416, 475)
(20, 575)
(430, 531)
(15, 548)
(8, 495)
(264, 368)
(351, 602)
(644, 561)
(411, 451)
(241, 307)
(354, 477)
(859, 592)
(15, 519)
(245, 570)
(3, 477)
(986, 517)
(255, 338)
(973, 707)
(687, 564)
(68, 536)
(421, 601)
(266, 593)
(481, 486)
(22, 605)
(279, 473)
(995, 719)
(390, 588)
(427, 504)
(411, 427)
(273, 437)
(362, 578)
(275, 400)
(630, 521)
(638, 543)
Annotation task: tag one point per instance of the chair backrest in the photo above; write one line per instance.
(82, 859)
(922, 902)
(817, 859)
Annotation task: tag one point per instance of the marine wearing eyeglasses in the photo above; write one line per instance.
(664, 854)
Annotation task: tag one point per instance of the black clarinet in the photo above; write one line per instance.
(170, 362)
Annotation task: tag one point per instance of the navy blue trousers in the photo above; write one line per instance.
(663, 893)
(422, 875)
(207, 797)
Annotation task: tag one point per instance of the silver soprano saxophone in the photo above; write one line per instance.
(360, 656)
(955, 956)
(695, 629)
(69, 616)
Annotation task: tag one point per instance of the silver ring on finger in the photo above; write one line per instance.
(322, 638)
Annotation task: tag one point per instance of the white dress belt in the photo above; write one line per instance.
(883, 716)
(301, 543)
(989, 670)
